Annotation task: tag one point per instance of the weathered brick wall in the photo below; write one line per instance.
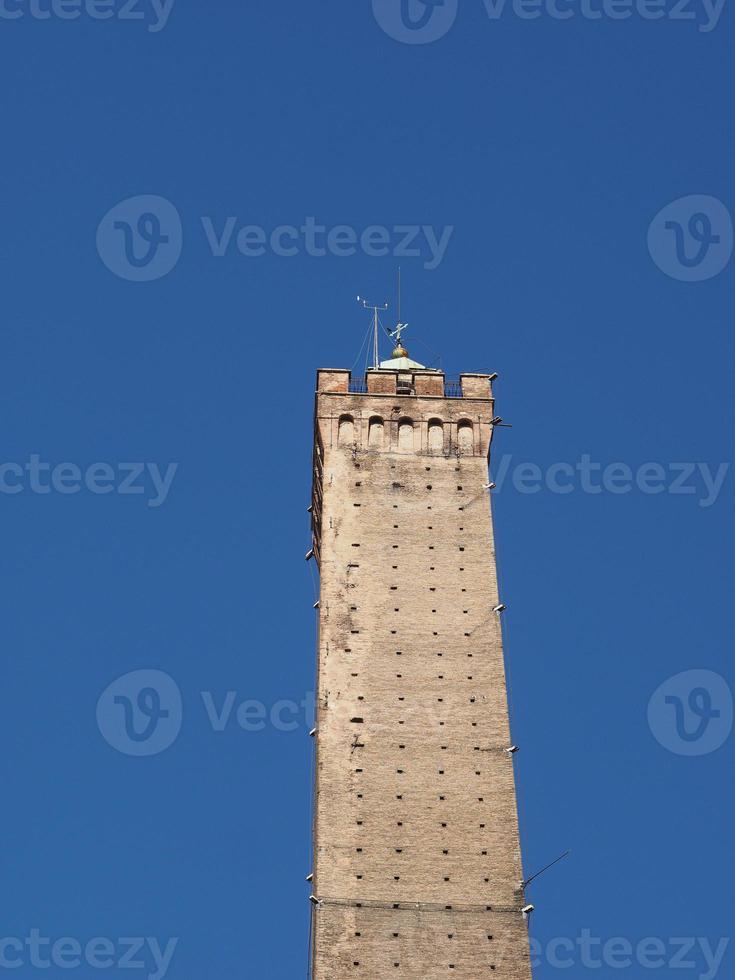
(429, 384)
(381, 383)
(333, 380)
(475, 385)
(417, 863)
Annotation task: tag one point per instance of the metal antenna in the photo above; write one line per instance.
(376, 325)
(561, 857)
(400, 327)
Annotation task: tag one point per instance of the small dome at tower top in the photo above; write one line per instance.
(401, 362)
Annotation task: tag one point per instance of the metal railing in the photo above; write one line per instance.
(452, 389)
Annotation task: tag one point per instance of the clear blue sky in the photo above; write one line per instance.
(548, 146)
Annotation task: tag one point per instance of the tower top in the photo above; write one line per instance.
(399, 359)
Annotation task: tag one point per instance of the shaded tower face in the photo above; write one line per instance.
(417, 867)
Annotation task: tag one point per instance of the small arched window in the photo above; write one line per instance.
(465, 437)
(405, 434)
(375, 436)
(436, 435)
(346, 430)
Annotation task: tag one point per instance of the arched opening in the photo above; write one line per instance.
(436, 435)
(465, 437)
(405, 434)
(375, 433)
(346, 430)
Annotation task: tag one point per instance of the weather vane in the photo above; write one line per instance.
(400, 350)
(396, 334)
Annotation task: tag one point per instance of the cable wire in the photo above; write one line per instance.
(362, 345)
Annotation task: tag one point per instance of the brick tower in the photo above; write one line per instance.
(417, 865)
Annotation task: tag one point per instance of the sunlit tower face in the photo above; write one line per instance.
(417, 868)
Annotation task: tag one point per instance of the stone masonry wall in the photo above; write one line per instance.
(417, 867)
